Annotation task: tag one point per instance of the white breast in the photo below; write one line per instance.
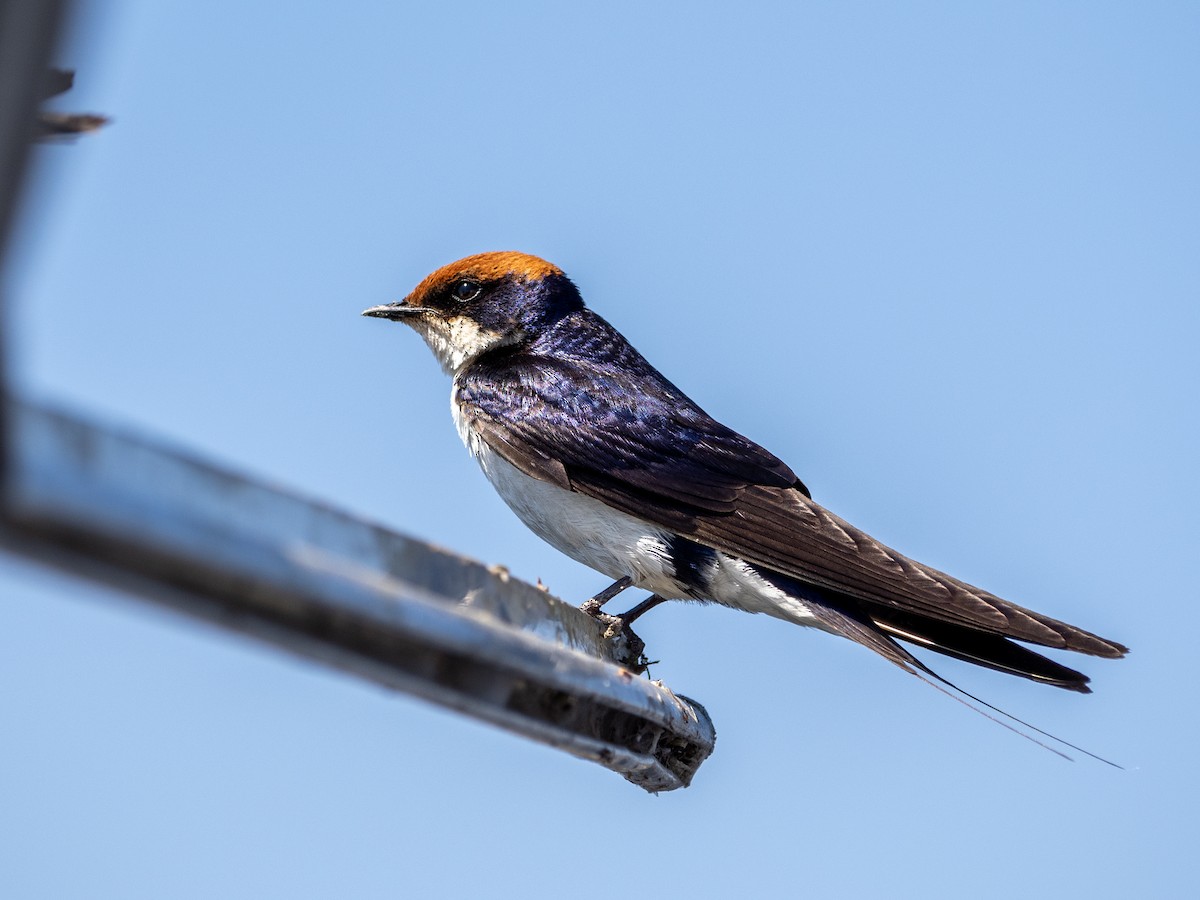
(587, 530)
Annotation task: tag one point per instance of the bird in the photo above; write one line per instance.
(608, 461)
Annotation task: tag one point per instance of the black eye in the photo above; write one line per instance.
(465, 290)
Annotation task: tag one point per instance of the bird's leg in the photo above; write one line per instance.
(620, 625)
(592, 607)
(641, 609)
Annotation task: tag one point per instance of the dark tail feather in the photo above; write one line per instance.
(980, 648)
(865, 632)
(1006, 657)
(873, 623)
(954, 687)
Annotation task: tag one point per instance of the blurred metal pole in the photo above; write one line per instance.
(28, 30)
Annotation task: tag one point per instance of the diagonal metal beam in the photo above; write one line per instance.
(318, 582)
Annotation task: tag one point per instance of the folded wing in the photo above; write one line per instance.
(619, 432)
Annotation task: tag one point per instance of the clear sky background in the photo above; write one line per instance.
(940, 257)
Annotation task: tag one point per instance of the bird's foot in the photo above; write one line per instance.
(614, 627)
(620, 625)
(635, 647)
(593, 605)
(594, 608)
(617, 626)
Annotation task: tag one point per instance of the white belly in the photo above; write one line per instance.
(586, 530)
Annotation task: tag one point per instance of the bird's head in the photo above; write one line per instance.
(482, 302)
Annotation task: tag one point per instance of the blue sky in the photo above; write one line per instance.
(939, 257)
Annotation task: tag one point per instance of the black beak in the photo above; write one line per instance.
(395, 311)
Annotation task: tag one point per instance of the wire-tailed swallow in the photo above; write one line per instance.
(608, 461)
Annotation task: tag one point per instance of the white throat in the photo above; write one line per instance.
(457, 340)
